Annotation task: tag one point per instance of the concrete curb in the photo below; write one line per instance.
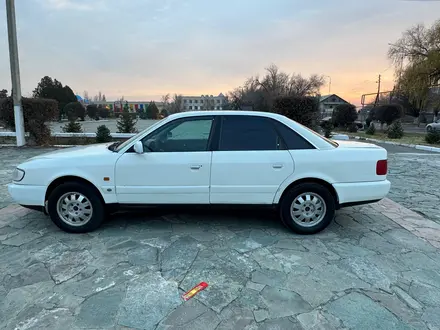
(415, 146)
(59, 134)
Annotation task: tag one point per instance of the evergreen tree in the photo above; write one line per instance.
(152, 111)
(103, 134)
(127, 122)
(395, 131)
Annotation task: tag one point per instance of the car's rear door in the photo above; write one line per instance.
(175, 167)
(250, 161)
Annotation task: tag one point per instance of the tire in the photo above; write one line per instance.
(71, 199)
(316, 192)
(429, 129)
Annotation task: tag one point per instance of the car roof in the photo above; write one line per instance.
(225, 113)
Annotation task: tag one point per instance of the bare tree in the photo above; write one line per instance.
(176, 103)
(86, 95)
(262, 92)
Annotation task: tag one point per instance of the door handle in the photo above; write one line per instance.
(195, 167)
(277, 166)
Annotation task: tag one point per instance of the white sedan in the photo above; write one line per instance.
(434, 126)
(209, 158)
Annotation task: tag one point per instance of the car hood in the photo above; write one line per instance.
(355, 144)
(82, 151)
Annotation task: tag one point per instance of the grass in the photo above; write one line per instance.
(408, 138)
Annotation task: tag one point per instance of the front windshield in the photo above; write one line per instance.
(138, 135)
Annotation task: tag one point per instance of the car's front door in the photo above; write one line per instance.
(250, 163)
(175, 167)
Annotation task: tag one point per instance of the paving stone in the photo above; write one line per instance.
(269, 277)
(21, 238)
(410, 301)
(236, 318)
(407, 239)
(207, 321)
(430, 277)
(255, 286)
(320, 284)
(184, 314)
(101, 309)
(143, 256)
(290, 244)
(284, 323)
(261, 315)
(225, 280)
(148, 300)
(366, 271)
(346, 249)
(315, 320)
(8, 232)
(316, 245)
(426, 294)
(58, 318)
(282, 303)
(68, 265)
(33, 274)
(431, 315)
(360, 312)
(178, 257)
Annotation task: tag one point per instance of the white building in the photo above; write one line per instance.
(203, 102)
(327, 103)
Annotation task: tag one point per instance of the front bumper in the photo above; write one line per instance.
(350, 193)
(27, 195)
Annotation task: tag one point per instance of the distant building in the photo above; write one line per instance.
(327, 103)
(203, 102)
(133, 106)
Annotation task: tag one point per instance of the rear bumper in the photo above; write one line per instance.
(361, 192)
(30, 196)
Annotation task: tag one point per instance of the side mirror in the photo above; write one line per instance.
(138, 147)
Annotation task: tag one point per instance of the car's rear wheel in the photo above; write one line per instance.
(76, 208)
(429, 129)
(307, 208)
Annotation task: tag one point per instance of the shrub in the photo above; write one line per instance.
(395, 130)
(164, 113)
(74, 110)
(371, 130)
(352, 128)
(433, 137)
(103, 112)
(368, 122)
(103, 134)
(152, 111)
(72, 127)
(327, 126)
(344, 115)
(302, 109)
(126, 123)
(387, 113)
(36, 113)
(92, 111)
(143, 115)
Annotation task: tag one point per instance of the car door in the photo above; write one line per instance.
(250, 162)
(175, 167)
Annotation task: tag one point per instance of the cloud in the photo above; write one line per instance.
(144, 48)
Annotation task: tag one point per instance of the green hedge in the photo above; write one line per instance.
(36, 113)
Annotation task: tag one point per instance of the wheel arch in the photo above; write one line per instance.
(311, 180)
(72, 178)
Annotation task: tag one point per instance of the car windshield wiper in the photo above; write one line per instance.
(113, 146)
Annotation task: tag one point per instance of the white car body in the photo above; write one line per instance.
(208, 177)
(435, 126)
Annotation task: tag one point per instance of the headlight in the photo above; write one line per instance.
(17, 175)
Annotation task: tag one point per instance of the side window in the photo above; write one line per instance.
(292, 140)
(248, 133)
(188, 135)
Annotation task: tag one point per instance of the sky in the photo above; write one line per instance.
(142, 49)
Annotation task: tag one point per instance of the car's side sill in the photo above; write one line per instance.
(357, 203)
(34, 207)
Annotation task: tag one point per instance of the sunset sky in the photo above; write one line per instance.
(142, 49)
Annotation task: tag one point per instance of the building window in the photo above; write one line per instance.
(201, 101)
(196, 101)
(190, 107)
(184, 101)
(218, 101)
(331, 107)
(184, 107)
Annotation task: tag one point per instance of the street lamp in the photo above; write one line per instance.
(330, 84)
(15, 73)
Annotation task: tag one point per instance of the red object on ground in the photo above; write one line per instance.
(191, 293)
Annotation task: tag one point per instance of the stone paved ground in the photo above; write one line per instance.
(375, 267)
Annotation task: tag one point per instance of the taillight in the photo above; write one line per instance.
(382, 167)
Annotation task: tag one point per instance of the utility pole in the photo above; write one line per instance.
(15, 73)
(378, 91)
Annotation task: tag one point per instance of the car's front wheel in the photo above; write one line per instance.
(307, 208)
(76, 208)
(429, 129)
